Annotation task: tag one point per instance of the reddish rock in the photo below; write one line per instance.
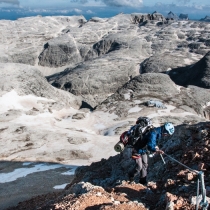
(170, 197)
(189, 176)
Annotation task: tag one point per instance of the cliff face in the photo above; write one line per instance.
(104, 185)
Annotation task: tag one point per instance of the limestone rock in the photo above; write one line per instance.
(95, 80)
(140, 18)
(197, 74)
(27, 80)
(59, 51)
(156, 63)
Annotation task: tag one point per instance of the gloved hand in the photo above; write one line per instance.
(158, 151)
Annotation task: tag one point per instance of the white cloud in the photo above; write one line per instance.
(79, 11)
(198, 7)
(10, 1)
(118, 3)
(89, 12)
(184, 1)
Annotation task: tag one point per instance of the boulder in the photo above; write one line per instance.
(60, 51)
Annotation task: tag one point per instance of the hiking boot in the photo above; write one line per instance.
(143, 180)
(131, 178)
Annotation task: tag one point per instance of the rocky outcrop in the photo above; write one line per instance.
(156, 63)
(25, 37)
(66, 42)
(59, 52)
(171, 16)
(140, 18)
(170, 185)
(206, 19)
(26, 80)
(183, 17)
(94, 81)
(135, 93)
(206, 112)
(197, 74)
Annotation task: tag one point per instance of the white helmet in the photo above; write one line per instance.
(169, 128)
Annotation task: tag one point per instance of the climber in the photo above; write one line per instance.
(148, 145)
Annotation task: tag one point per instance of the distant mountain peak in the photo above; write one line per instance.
(207, 19)
(171, 15)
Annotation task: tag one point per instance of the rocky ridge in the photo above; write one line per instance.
(177, 41)
(116, 46)
(103, 185)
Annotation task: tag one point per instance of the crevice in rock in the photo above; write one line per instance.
(85, 105)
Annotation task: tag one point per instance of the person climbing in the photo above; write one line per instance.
(148, 144)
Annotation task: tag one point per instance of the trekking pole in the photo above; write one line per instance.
(162, 159)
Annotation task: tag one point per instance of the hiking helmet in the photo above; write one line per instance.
(169, 128)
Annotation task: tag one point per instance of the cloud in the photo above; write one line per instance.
(115, 3)
(198, 7)
(10, 2)
(89, 12)
(79, 11)
(80, 1)
(184, 1)
(119, 3)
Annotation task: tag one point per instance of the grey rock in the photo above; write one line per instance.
(158, 104)
(25, 37)
(94, 80)
(26, 80)
(159, 87)
(77, 141)
(151, 84)
(197, 74)
(172, 16)
(206, 113)
(156, 63)
(78, 116)
(82, 187)
(60, 51)
(138, 18)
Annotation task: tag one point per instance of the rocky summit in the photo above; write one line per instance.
(70, 87)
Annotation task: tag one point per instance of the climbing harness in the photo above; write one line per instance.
(203, 203)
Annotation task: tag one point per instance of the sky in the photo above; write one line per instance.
(13, 9)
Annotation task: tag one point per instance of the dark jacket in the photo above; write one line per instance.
(149, 141)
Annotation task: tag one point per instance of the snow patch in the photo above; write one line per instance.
(27, 163)
(22, 172)
(12, 100)
(60, 186)
(71, 171)
(134, 109)
(137, 101)
(127, 96)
